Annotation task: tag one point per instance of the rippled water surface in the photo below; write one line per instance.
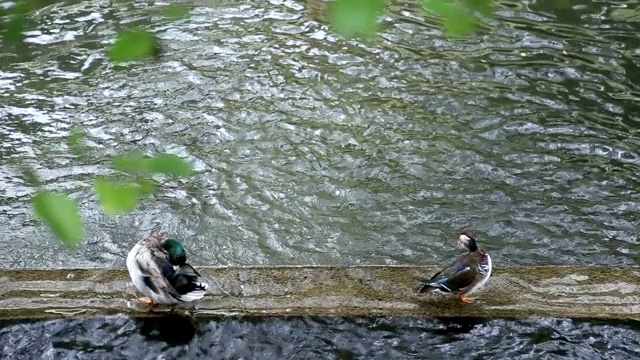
(313, 338)
(314, 150)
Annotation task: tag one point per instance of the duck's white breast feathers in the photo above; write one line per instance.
(134, 271)
(485, 272)
(141, 255)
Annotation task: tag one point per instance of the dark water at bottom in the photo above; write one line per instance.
(179, 337)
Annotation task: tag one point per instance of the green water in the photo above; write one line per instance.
(315, 150)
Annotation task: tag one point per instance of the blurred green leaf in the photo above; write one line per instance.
(484, 7)
(170, 165)
(62, 216)
(76, 141)
(356, 17)
(457, 18)
(460, 25)
(116, 197)
(22, 7)
(176, 11)
(132, 163)
(442, 8)
(29, 6)
(30, 176)
(146, 187)
(136, 163)
(133, 44)
(14, 29)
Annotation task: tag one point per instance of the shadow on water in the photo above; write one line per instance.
(458, 326)
(179, 337)
(172, 329)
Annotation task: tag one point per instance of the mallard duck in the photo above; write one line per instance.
(465, 274)
(158, 269)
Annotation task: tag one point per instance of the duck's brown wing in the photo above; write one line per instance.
(448, 270)
(460, 273)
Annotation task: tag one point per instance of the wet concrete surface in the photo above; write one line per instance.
(512, 292)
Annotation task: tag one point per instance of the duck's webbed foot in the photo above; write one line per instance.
(466, 300)
(147, 301)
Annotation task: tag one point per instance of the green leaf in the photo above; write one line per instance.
(30, 176)
(76, 141)
(356, 17)
(132, 163)
(484, 7)
(28, 6)
(457, 19)
(62, 216)
(146, 187)
(459, 25)
(442, 8)
(136, 163)
(170, 165)
(176, 11)
(133, 44)
(14, 29)
(22, 7)
(116, 197)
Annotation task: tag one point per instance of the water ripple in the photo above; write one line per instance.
(313, 149)
(318, 338)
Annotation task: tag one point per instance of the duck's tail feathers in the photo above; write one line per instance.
(189, 284)
(193, 295)
(440, 285)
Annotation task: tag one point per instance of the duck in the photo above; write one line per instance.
(465, 274)
(158, 269)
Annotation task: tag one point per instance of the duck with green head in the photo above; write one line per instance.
(465, 274)
(158, 269)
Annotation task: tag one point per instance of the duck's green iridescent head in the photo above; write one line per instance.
(467, 241)
(177, 255)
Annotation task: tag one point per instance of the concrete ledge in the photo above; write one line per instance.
(575, 292)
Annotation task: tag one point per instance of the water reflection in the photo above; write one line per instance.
(172, 329)
(458, 326)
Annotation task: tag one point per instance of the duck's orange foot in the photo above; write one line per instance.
(147, 301)
(466, 300)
